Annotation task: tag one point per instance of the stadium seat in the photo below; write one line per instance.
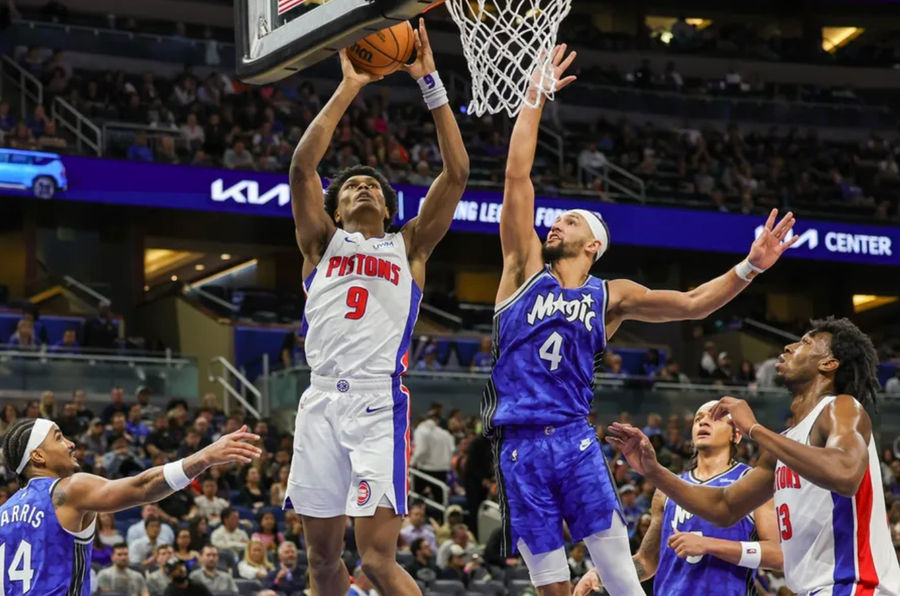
(517, 587)
(227, 557)
(302, 558)
(516, 573)
(449, 586)
(422, 586)
(226, 593)
(405, 558)
(492, 587)
(248, 587)
(428, 576)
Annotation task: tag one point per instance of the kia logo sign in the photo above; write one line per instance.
(247, 192)
(842, 242)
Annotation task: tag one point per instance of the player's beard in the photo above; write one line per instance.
(563, 250)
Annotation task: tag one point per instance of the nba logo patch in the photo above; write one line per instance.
(343, 386)
(363, 494)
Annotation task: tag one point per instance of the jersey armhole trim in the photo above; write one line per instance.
(603, 312)
(85, 536)
(519, 291)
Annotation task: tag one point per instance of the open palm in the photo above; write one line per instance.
(772, 243)
(559, 62)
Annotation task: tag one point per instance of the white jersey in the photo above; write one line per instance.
(834, 545)
(361, 307)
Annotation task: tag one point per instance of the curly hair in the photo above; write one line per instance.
(857, 373)
(334, 189)
(14, 443)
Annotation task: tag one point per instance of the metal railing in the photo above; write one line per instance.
(86, 133)
(791, 337)
(123, 133)
(557, 146)
(165, 358)
(613, 186)
(31, 90)
(443, 314)
(224, 379)
(74, 283)
(197, 290)
(443, 486)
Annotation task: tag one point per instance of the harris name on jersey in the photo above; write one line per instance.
(23, 514)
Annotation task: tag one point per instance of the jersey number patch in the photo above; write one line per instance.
(784, 522)
(19, 570)
(357, 299)
(551, 350)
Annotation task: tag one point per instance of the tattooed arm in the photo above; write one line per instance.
(79, 494)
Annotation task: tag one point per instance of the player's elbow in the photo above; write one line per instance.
(772, 558)
(847, 486)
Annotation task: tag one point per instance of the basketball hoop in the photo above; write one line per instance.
(508, 45)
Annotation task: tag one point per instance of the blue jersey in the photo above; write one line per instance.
(37, 555)
(547, 343)
(703, 574)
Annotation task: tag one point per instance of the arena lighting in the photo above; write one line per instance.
(199, 267)
(223, 273)
(225, 256)
(174, 278)
(834, 38)
(864, 302)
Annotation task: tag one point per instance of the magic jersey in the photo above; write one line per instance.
(547, 342)
(38, 555)
(703, 574)
(834, 545)
(361, 307)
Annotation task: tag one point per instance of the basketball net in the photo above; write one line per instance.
(508, 45)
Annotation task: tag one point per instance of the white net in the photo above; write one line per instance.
(508, 45)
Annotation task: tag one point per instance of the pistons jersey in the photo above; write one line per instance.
(834, 545)
(703, 574)
(37, 555)
(547, 342)
(361, 307)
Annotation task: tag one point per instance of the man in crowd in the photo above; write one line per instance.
(141, 551)
(157, 581)
(117, 404)
(119, 578)
(180, 584)
(418, 526)
(208, 504)
(138, 530)
(424, 557)
(229, 535)
(460, 537)
(456, 567)
(362, 585)
(286, 579)
(434, 450)
(209, 573)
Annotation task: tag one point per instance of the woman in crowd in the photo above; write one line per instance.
(184, 548)
(268, 532)
(255, 564)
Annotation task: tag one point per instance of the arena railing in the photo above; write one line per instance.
(31, 90)
(23, 372)
(435, 482)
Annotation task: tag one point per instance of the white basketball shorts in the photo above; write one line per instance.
(351, 448)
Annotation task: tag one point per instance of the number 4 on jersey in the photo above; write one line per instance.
(19, 570)
(551, 350)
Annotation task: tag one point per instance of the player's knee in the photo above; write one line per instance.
(377, 565)
(323, 561)
(559, 588)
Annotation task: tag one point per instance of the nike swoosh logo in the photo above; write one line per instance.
(585, 444)
(371, 410)
(350, 240)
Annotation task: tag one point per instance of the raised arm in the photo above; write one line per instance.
(84, 493)
(519, 242)
(721, 506)
(312, 225)
(843, 429)
(422, 233)
(630, 300)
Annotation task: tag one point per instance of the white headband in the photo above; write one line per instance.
(598, 228)
(706, 406)
(39, 432)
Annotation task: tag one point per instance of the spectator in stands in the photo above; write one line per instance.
(252, 495)
(640, 530)
(8, 417)
(279, 488)
(117, 413)
(238, 158)
(181, 584)
(765, 372)
(68, 344)
(708, 361)
(95, 438)
(84, 413)
(210, 575)
(137, 529)
(651, 364)
(433, 454)
(645, 498)
(579, 564)
(724, 373)
(141, 551)
(192, 132)
(630, 510)
(423, 556)
(459, 537)
(7, 120)
(429, 360)
(671, 373)
(100, 332)
(654, 424)
(107, 532)
(139, 150)
(158, 581)
(268, 532)
(162, 439)
(24, 337)
(49, 139)
(119, 577)
(746, 375)
(47, 405)
(613, 366)
(482, 362)
(255, 564)
(21, 138)
(38, 120)
(69, 424)
(456, 567)
(477, 478)
(418, 525)
(422, 176)
(208, 504)
(362, 585)
(183, 547)
(166, 152)
(287, 578)
(135, 426)
(292, 350)
(229, 535)
(892, 386)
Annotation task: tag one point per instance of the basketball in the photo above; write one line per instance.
(383, 52)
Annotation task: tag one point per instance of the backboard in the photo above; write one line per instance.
(276, 38)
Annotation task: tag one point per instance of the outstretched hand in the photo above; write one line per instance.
(233, 448)
(353, 75)
(634, 445)
(424, 62)
(739, 410)
(588, 584)
(559, 62)
(772, 243)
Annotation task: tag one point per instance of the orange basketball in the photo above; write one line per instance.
(383, 52)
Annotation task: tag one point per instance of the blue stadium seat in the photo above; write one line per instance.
(452, 587)
(278, 512)
(248, 587)
(492, 588)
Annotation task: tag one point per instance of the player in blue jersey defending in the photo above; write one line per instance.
(47, 526)
(551, 324)
(689, 555)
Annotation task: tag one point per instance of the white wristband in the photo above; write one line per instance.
(751, 555)
(175, 476)
(746, 270)
(433, 91)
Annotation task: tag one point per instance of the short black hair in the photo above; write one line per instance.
(857, 373)
(119, 546)
(226, 513)
(152, 519)
(334, 189)
(14, 444)
(416, 545)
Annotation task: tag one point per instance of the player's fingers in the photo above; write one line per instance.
(784, 225)
(568, 61)
(423, 32)
(771, 219)
(786, 245)
(565, 82)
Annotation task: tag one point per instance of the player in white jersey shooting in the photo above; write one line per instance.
(688, 555)
(363, 284)
(823, 471)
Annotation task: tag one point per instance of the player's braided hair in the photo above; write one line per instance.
(14, 443)
(857, 373)
(334, 189)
